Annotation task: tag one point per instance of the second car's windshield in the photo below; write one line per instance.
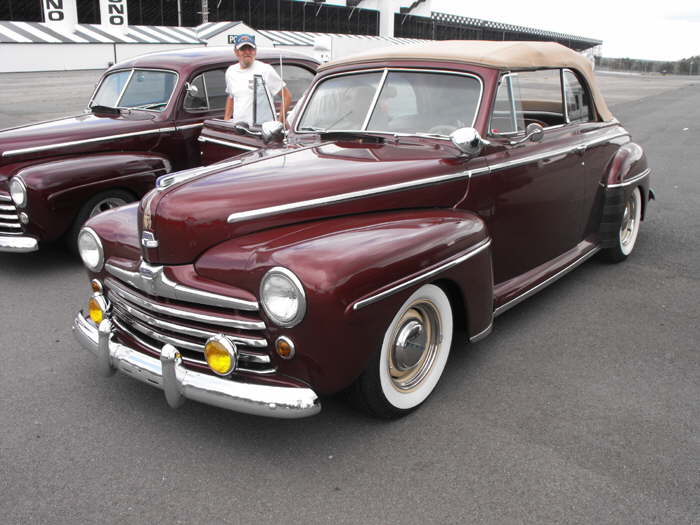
(138, 88)
(405, 102)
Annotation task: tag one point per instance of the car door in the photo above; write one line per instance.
(536, 186)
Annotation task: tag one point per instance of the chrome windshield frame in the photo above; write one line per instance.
(382, 81)
(128, 81)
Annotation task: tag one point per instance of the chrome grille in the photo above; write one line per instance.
(9, 218)
(153, 321)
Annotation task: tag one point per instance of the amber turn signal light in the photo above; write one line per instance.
(285, 347)
(95, 310)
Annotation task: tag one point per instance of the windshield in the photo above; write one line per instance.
(136, 89)
(406, 102)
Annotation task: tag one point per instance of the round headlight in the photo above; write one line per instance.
(90, 249)
(282, 297)
(18, 192)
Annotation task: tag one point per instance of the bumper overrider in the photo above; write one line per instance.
(18, 244)
(179, 383)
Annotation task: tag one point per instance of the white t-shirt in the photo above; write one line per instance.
(239, 85)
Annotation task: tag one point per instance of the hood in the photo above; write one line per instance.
(297, 184)
(72, 135)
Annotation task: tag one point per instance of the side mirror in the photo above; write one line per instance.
(533, 132)
(272, 131)
(468, 141)
(191, 89)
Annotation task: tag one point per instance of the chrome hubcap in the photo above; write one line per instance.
(415, 345)
(106, 204)
(628, 222)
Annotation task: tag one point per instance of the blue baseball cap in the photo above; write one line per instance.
(245, 40)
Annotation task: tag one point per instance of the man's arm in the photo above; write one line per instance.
(228, 109)
(286, 101)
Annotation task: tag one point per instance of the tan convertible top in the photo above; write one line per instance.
(502, 55)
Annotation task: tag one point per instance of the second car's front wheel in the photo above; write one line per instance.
(407, 367)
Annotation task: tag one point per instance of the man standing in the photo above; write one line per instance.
(240, 84)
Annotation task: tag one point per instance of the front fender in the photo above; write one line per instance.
(375, 261)
(58, 187)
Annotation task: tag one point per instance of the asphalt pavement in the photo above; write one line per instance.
(583, 406)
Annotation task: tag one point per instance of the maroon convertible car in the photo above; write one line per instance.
(142, 121)
(422, 191)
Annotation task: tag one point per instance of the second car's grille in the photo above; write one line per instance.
(154, 321)
(9, 219)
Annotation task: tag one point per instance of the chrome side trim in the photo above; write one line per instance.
(12, 152)
(331, 199)
(118, 303)
(425, 275)
(483, 334)
(18, 244)
(153, 281)
(179, 383)
(189, 126)
(227, 143)
(632, 180)
(532, 291)
(127, 295)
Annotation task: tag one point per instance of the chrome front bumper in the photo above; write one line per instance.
(17, 244)
(179, 383)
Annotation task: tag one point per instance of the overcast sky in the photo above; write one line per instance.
(665, 30)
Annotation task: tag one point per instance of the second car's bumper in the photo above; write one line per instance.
(179, 383)
(18, 244)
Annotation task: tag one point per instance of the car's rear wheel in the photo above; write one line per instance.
(629, 229)
(103, 201)
(407, 367)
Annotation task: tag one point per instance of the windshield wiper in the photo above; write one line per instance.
(372, 136)
(150, 106)
(104, 109)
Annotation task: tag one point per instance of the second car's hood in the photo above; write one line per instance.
(70, 134)
(295, 185)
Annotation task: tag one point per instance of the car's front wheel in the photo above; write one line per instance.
(629, 229)
(103, 201)
(407, 367)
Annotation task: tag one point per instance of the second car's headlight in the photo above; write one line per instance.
(18, 192)
(90, 248)
(282, 297)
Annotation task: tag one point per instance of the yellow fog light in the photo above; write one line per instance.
(285, 347)
(221, 355)
(97, 308)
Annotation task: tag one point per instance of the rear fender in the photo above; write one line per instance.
(356, 273)
(628, 170)
(58, 187)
